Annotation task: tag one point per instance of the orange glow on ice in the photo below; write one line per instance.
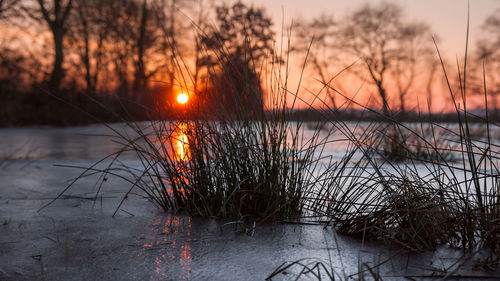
(181, 142)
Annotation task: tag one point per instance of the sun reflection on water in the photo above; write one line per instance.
(168, 247)
(180, 142)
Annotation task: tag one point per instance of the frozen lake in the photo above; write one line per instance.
(76, 238)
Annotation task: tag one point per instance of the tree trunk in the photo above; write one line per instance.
(140, 72)
(86, 53)
(383, 96)
(57, 71)
(56, 24)
(171, 73)
(402, 102)
(86, 62)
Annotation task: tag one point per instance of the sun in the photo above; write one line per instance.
(182, 98)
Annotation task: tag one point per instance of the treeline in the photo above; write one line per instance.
(76, 61)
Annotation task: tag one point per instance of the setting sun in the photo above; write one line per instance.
(182, 98)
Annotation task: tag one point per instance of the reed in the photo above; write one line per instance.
(427, 186)
(419, 187)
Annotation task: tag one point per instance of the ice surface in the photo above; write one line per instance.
(76, 238)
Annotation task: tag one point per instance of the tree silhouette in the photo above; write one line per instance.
(415, 54)
(173, 38)
(488, 52)
(323, 55)
(55, 15)
(384, 41)
(242, 38)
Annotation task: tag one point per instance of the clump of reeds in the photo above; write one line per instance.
(404, 210)
(423, 141)
(416, 191)
(235, 159)
(249, 161)
(246, 161)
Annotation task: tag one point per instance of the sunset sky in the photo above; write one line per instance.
(447, 18)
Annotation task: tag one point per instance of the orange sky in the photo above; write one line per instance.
(447, 19)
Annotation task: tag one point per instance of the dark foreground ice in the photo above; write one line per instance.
(76, 237)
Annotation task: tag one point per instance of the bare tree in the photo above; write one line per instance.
(488, 52)
(200, 21)
(414, 55)
(145, 40)
(237, 46)
(433, 66)
(131, 45)
(384, 41)
(55, 15)
(173, 32)
(89, 38)
(322, 55)
(141, 45)
(81, 34)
